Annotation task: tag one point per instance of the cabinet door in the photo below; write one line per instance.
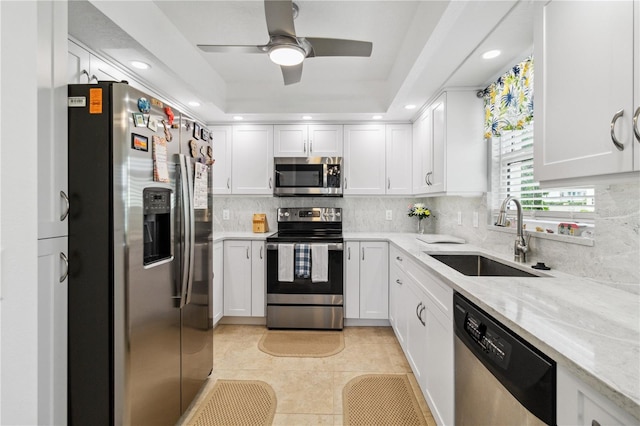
(258, 278)
(399, 158)
(218, 282)
(364, 159)
(290, 140)
(374, 280)
(222, 140)
(416, 345)
(397, 311)
(252, 159)
(52, 331)
(237, 278)
(352, 280)
(421, 152)
(436, 180)
(439, 374)
(77, 64)
(574, 112)
(325, 140)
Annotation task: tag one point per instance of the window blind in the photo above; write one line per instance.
(512, 174)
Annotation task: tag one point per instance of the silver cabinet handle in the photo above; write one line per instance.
(93, 77)
(424, 323)
(247, 252)
(636, 131)
(399, 258)
(85, 72)
(345, 183)
(270, 179)
(348, 253)
(429, 178)
(304, 147)
(310, 146)
(228, 182)
(261, 247)
(399, 281)
(64, 215)
(362, 253)
(426, 178)
(388, 183)
(614, 139)
(64, 276)
(417, 311)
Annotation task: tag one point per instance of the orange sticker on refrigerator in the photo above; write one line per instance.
(95, 101)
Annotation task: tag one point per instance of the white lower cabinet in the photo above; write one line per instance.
(366, 280)
(423, 321)
(217, 304)
(579, 404)
(244, 278)
(52, 331)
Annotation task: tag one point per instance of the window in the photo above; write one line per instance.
(512, 174)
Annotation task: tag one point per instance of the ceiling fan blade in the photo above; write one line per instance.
(221, 48)
(279, 14)
(292, 74)
(338, 47)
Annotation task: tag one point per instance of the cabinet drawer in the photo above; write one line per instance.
(441, 294)
(397, 258)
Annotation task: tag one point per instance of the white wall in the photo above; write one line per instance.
(18, 212)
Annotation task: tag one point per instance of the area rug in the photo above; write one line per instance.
(381, 399)
(237, 403)
(302, 343)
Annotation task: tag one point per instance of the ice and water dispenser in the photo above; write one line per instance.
(156, 208)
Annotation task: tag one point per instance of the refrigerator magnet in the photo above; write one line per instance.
(170, 115)
(152, 124)
(196, 130)
(139, 142)
(204, 134)
(143, 105)
(138, 120)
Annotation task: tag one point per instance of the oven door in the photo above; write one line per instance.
(304, 286)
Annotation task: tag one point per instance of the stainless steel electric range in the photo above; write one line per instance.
(304, 269)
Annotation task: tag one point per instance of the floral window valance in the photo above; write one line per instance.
(508, 103)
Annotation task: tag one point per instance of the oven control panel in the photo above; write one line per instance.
(310, 214)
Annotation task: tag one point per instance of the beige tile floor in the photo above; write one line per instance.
(308, 390)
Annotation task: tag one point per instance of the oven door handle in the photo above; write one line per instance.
(331, 246)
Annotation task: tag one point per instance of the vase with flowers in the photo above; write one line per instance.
(420, 211)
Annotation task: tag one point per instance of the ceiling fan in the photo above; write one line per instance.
(288, 50)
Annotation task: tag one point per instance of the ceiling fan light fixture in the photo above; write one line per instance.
(287, 55)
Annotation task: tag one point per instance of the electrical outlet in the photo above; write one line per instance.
(389, 215)
(225, 214)
(459, 218)
(475, 219)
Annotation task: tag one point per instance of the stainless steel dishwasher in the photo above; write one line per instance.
(500, 378)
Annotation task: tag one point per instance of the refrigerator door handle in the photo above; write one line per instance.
(185, 230)
(192, 227)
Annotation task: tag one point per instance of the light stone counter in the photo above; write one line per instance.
(221, 236)
(591, 329)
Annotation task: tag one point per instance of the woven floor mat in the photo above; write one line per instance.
(237, 403)
(381, 399)
(302, 343)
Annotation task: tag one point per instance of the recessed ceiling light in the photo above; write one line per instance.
(491, 54)
(238, 117)
(307, 117)
(140, 65)
(410, 106)
(194, 104)
(377, 117)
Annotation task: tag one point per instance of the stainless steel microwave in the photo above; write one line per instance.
(310, 176)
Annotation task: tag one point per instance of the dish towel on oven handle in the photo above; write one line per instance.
(302, 265)
(285, 263)
(319, 263)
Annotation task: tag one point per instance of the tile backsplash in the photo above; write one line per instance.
(614, 258)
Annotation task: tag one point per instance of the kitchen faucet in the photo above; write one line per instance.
(521, 246)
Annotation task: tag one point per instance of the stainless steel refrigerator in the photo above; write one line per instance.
(140, 256)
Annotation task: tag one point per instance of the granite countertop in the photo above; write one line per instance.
(589, 328)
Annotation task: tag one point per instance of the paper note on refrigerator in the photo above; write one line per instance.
(200, 186)
(160, 168)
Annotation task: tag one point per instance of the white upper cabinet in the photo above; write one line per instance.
(222, 140)
(587, 89)
(252, 159)
(301, 140)
(398, 147)
(364, 159)
(449, 148)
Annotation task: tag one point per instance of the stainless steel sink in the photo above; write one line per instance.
(477, 265)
